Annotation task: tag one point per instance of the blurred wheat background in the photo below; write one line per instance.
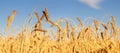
(62, 36)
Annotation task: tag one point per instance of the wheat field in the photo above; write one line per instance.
(97, 38)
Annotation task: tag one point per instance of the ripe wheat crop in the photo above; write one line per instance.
(68, 39)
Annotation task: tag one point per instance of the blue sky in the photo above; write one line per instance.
(58, 9)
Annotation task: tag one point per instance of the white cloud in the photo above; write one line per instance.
(92, 3)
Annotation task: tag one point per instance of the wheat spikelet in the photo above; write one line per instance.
(47, 17)
(81, 24)
(73, 34)
(59, 28)
(105, 27)
(115, 31)
(58, 33)
(102, 35)
(8, 23)
(13, 15)
(10, 19)
(96, 24)
(67, 28)
(38, 17)
(46, 14)
(40, 30)
(113, 19)
(109, 25)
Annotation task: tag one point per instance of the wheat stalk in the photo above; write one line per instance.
(42, 17)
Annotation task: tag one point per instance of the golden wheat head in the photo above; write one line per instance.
(10, 19)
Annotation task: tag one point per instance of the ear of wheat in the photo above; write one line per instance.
(46, 14)
(105, 27)
(115, 32)
(96, 24)
(10, 19)
(81, 24)
(39, 20)
(47, 17)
